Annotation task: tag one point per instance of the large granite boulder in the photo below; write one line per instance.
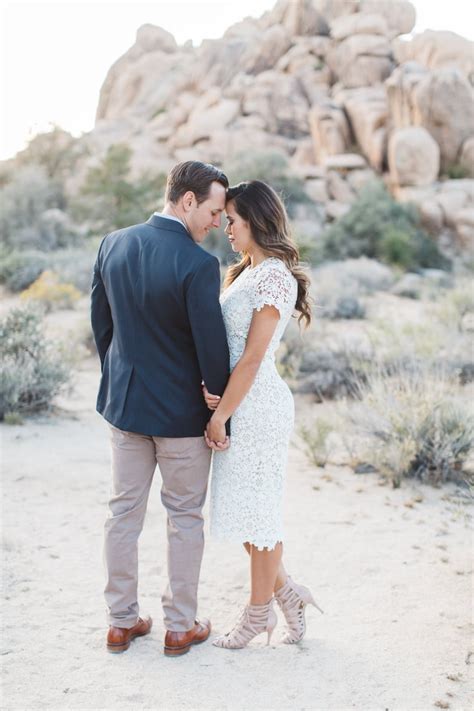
(437, 50)
(413, 156)
(367, 112)
(358, 23)
(443, 104)
(361, 60)
(329, 130)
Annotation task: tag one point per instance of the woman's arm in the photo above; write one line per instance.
(262, 328)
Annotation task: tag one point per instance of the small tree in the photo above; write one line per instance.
(110, 200)
(377, 226)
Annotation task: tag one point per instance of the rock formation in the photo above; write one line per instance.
(334, 85)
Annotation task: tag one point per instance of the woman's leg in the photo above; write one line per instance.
(282, 575)
(264, 567)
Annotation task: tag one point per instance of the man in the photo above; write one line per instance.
(159, 332)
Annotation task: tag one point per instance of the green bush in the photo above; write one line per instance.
(412, 425)
(380, 228)
(25, 203)
(110, 200)
(32, 370)
(20, 269)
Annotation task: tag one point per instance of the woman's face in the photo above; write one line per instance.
(237, 230)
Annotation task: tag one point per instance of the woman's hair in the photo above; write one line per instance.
(259, 205)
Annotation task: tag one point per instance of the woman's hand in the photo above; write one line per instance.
(212, 401)
(215, 434)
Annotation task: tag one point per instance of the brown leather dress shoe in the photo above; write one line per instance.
(177, 643)
(119, 638)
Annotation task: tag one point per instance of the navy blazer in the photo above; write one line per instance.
(158, 328)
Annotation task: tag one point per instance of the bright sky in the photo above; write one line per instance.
(55, 55)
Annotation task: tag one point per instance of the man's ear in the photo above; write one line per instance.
(188, 200)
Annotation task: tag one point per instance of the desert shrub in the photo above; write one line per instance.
(32, 212)
(380, 228)
(75, 266)
(51, 293)
(331, 372)
(412, 425)
(20, 269)
(456, 171)
(315, 441)
(109, 199)
(32, 370)
(55, 150)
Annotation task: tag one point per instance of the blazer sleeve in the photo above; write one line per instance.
(101, 316)
(207, 325)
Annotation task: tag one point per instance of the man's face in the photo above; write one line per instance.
(206, 216)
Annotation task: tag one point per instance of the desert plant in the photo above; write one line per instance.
(412, 426)
(32, 370)
(315, 444)
(110, 199)
(332, 372)
(380, 228)
(25, 217)
(51, 293)
(20, 269)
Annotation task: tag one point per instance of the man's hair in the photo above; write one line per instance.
(194, 176)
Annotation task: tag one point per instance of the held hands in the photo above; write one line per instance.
(215, 434)
(212, 401)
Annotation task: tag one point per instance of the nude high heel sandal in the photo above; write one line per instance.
(253, 620)
(292, 600)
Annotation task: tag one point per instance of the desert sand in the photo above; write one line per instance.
(391, 569)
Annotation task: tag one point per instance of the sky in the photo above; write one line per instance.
(54, 56)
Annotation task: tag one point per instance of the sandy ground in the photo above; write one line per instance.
(392, 573)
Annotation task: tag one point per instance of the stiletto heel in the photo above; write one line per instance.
(253, 620)
(292, 600)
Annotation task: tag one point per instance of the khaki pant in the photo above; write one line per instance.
(184, 465)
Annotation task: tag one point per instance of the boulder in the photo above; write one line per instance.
(204, 121)
(431, 215)
(413, 156)
(400, 16)
(151, 38)
(367, 111)
(437, 50)
(358, 23)
(399, 86)
(345, 162)
(280, 100)
(298, 17)
(359, 178)
(329, 130)
(361, 60)
(443, 104)
(303, 51)
(272, 44)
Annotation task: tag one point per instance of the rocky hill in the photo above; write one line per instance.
(332, 84)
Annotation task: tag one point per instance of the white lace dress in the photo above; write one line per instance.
(248, 478)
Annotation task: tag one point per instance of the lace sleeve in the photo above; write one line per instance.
(273, 288)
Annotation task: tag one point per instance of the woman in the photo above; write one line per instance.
(260, 295)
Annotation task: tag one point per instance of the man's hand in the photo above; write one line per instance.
(212, 401)
(215, 434)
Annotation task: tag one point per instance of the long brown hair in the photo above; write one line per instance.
(259, 205)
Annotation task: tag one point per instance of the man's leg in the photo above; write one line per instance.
(184, 464)
(133, 465)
